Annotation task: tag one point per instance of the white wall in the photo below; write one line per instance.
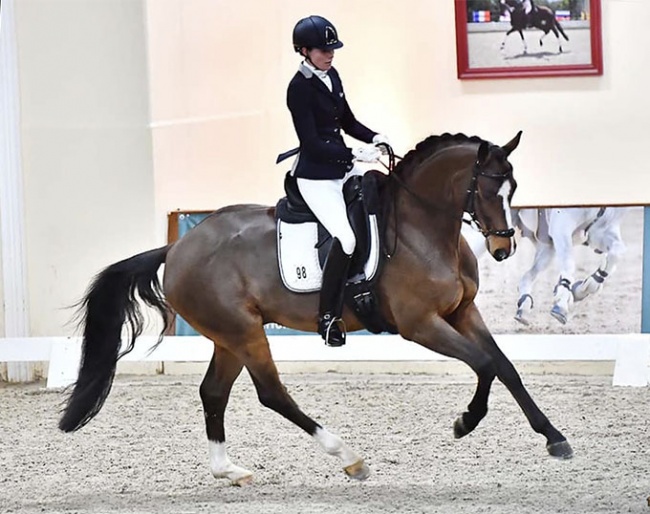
(86, 146)
(132, 108)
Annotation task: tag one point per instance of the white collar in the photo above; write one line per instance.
(319, 73)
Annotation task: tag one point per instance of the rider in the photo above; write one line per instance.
(320, 111)
(529, 9)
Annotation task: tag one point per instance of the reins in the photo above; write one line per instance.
(427, 205)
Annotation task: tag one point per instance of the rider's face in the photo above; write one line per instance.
(321, 59)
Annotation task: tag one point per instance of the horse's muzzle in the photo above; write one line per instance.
(500, 255)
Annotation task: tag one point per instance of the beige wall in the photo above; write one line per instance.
(219, 71)
(86, 146)
(132, 108)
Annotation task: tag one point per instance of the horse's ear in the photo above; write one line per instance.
(512, 144)
(483, 152)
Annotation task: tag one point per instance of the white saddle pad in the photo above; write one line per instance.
(298, 256)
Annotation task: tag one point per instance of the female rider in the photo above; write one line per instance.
(320, 112)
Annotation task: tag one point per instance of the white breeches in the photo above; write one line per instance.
(325, 199)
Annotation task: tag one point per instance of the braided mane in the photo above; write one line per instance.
(431, 145)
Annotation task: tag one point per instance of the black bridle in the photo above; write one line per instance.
(470, 203)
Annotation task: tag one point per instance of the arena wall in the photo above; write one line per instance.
(133, 108)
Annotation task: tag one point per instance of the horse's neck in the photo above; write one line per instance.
(441, 182)
(442, 179)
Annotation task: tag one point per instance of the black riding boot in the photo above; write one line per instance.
(335, 275)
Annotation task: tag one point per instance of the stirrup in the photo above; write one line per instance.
(331, 332)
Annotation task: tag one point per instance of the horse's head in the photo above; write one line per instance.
(489, 195)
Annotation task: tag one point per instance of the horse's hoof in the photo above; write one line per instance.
(238, 476)
(559, 314)
(520, 318)
(460, 430)
(359, 470)
(242, 481)
(561, 450)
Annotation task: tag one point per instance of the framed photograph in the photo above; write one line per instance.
(528, 38)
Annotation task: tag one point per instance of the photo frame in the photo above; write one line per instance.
(500, 39)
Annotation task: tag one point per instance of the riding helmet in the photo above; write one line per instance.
(315, 32)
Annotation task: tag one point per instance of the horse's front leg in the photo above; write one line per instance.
(503, 43)
(523, 40)
(470, 322)
(543, 257)
(562, 294)
(440, 336)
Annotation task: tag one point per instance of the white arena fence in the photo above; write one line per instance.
(630, 352)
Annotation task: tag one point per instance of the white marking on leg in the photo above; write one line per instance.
(222, 467)
(333, 445)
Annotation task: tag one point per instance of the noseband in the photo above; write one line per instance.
(470, 203)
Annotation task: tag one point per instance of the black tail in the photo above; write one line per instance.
(559, 27)
(109, 303)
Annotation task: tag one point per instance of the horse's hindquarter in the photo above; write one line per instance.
(225, 272)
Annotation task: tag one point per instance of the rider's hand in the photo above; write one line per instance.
(381, 139)
(367, 153)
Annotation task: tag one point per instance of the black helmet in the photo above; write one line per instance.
(315, 32)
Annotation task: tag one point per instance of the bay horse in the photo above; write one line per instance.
(540, 17)
(223, 278)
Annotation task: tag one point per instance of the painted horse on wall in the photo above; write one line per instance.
(223, 278)
(524, 14)
(554, 233)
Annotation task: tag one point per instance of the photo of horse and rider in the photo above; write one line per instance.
(529, 33)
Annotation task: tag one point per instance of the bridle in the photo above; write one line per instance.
(470, 203)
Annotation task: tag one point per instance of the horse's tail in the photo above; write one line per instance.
(559, 27)
(110, 302)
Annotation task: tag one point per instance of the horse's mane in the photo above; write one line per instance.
(429, 146)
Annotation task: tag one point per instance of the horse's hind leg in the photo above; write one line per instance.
(470, 323)
(615, 248)
(215, 390)
(256, 356)
(557, 35)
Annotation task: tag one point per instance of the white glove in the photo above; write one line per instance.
(379, 139)
(367, 153)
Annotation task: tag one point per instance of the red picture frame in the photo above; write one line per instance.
(483, 51)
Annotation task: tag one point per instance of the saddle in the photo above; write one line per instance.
(303, 244)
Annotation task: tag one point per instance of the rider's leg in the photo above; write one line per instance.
(325, 199)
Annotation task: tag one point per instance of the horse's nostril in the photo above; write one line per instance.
(500, 254)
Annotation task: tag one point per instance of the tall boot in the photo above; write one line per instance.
(335, 275)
